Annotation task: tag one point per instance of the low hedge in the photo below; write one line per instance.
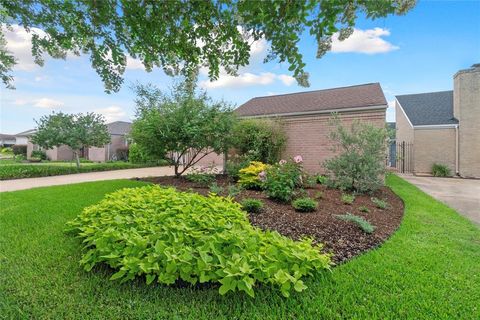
(18, 171)
(163, 235)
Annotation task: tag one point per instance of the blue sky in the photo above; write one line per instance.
(418, 52)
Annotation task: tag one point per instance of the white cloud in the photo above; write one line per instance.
(286, 79)
(19, 43)
(391, 111)
(243, 80)
(134, 64)
(258, 49)
(112, 113)
(47, 103)
(246, 79)
(364, 41)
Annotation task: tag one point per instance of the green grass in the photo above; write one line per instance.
(429, 269)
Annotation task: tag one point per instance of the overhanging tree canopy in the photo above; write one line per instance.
(181, 35)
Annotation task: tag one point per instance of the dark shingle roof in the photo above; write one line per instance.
(119, 127)
(303, 102)
(428, 108)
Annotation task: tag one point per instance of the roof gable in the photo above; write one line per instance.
(119, 127)
(433, 108)
(365, 95)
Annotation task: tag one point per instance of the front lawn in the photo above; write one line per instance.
(428, 269)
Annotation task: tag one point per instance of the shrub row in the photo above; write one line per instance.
(18, 171)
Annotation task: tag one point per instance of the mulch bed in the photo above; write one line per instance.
(342, 238)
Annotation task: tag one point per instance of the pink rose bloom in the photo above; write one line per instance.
(282, 162)
(298, 159)
(262, 176)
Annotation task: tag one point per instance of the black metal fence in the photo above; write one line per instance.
(404, 157)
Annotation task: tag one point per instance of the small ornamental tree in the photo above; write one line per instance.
(181, 126)
(76, 131)
(360, 163)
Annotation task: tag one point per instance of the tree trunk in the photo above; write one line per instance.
(177, 174)
(77, 158)
(225, 159)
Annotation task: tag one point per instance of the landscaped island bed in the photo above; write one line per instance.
(343, 238)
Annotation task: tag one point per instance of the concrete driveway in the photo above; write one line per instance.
(21, 184)
(461, 194)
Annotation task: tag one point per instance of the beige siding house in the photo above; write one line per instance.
(444, 127)
(305, 116)
(118, 139)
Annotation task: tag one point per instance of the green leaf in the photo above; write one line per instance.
(150, 278)
(299, 286)
(118, 275)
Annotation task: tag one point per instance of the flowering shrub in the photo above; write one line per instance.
(253, 176)
(282, 179)
(165, 235)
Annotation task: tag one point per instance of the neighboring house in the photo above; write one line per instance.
(22, 137)
(7, 140)
(306, 115)
(118, 139)
(443, 127)
(118, 134)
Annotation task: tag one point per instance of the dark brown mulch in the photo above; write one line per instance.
(344, 239)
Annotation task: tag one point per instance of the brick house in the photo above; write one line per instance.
(118, 131)
(305, 117)
(443, 127)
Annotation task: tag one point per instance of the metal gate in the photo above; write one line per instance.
(404, 157)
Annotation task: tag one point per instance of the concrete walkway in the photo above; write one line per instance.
(461, 194)
(21, 184)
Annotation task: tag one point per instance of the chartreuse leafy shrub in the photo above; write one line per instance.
(283, 178)
(252, 205)
(165, 235)
(363, 224)
(252, 176)
(441, 170)
(305, 204)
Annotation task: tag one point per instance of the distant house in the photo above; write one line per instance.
(119, 131)
(306, 115)
(118, 134)
(7, 140)
(442, 127)
(22, 137)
